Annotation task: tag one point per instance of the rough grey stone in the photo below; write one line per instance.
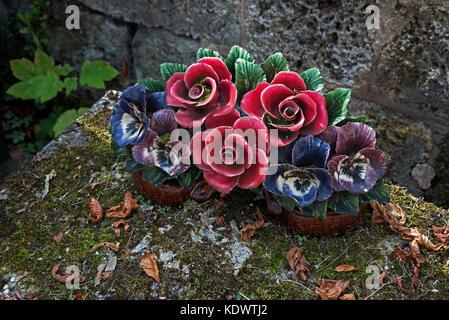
(423, 173)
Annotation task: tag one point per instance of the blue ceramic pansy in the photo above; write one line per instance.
(128, 120)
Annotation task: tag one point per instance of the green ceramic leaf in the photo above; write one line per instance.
(318, 209)
(379, 192)
(169, 69)
(155, 175)
(202, 53)
(273, 65)
(313, 80)
(188, 178)
(337, 105)
(247, 76)
(344, 203)
(131, 165)
(236, 53)
(286, 202)
(152, 85)
(94, 74)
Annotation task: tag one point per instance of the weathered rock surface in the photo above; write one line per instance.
(198, 258)
(400, 69)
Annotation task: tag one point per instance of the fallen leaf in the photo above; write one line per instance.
(382, 277)
(442, 234)
(345, 268)
(117, 224)
(298, 263)
(27, 187)
(110, 245)
(149, 265)
(94, 185)
(248, 231)
(58, 238)
(62, 278)
(80, 296)
(96, 211)
(124, 209)
(330, 289)
(413, 257)
(126, 254)
(398, 280)
(220, 220)
(348, 296)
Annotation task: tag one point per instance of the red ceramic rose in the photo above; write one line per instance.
(228, 158)
(205, 89)
(288, 106)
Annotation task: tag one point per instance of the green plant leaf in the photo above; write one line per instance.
(45, 127)
(66, 119)
(169, 69)
(43, 62)
(95, 73)
(131, 165)
(318, 209)
(45, 87)
(20, 90)
(379, 193)
(65, 70)
(313, 80)
(273, 65)
(236, 53)
(155, 175)
(70, 84)
(337, 105)
(23, 69)
(188, 178)
(247, 76)
(202, 52)
(344, 203)
(152, 85)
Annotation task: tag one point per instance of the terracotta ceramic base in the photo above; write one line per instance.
(333, 224)
(171, 195)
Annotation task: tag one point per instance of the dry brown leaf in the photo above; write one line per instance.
(330, 289)
(110, 245)
(382, 277)
(298, 263)
(96, 211)
(126, 253)
(117, 224)
(345, 268)
(442, 234)
(220, 220)
(62, 278)
(398, 280)
(124, 209)
(94, 185)
(58, 238)
(413, 257)
(248, 231)
(149, 265)
(28, 187)
(80, 296)
(348, 296)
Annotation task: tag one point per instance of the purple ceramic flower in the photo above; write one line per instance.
(306, 180)
(357, 165)
(157, 150)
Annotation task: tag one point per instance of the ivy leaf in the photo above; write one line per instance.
(202, 53)
(95, 73)
(313, 80)
(152, 85)
(43, 62)
(155, 175)
(344, 203)
(70, 84)
(337, 105)
(169, 69)
(273, 65)
(23, 69)
(66, 119)
(236, 53)
(318, 209)
(131, 165)
(247, 76)
(188, 178)
(379, 192)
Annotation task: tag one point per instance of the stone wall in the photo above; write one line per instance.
(399, 74)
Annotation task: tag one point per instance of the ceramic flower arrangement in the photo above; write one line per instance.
(238, 124)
